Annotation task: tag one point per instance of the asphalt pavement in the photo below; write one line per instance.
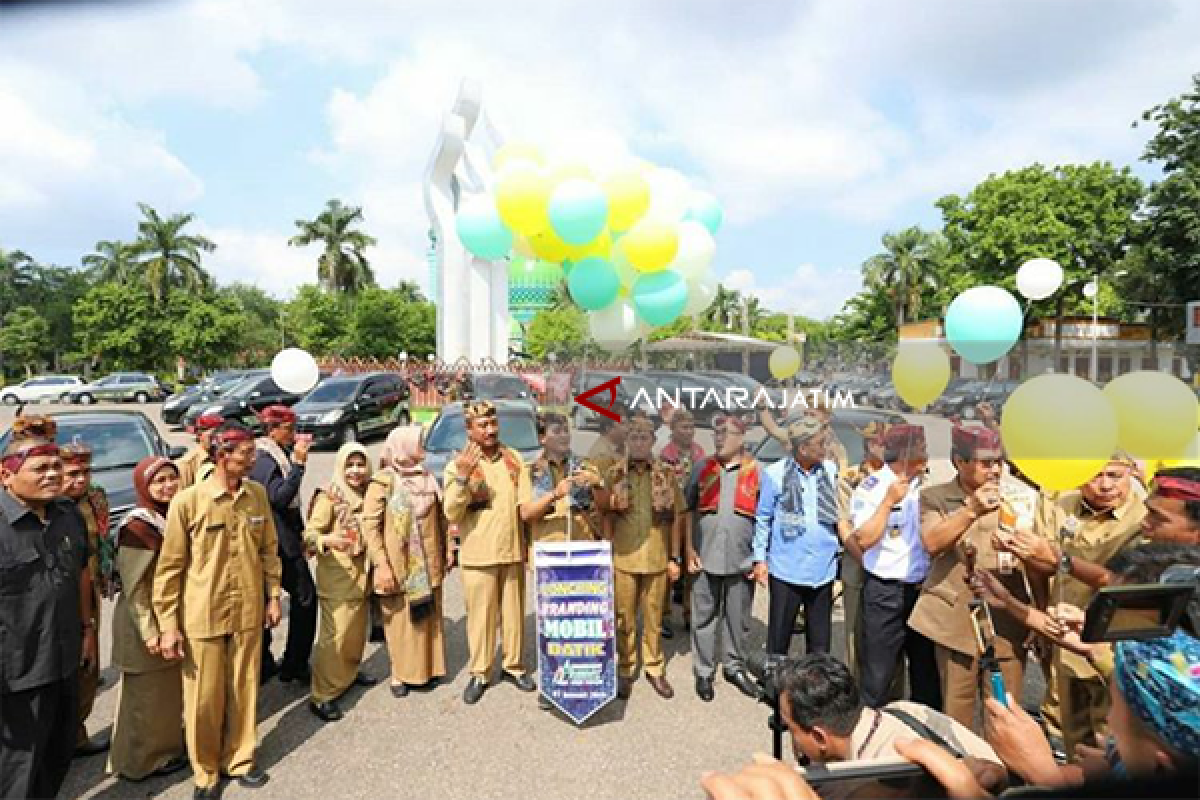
(430, 745)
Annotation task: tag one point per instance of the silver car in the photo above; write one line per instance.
(448, 433)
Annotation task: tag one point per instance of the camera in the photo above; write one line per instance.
(766, 670)
(1147, 610)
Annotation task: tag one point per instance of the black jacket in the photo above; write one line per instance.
(289, 522)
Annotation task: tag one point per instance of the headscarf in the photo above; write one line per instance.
(353, 497)
(1160, 680)
(402, 455)
(144, 525)
(32, 436)
(143, 474)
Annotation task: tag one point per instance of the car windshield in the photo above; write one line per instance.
(499, 386)
(333, 392)
(518, 430)
(245, 386)
(115, 443)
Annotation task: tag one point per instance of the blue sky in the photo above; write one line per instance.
(819, 124)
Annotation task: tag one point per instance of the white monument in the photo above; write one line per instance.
(471, 294)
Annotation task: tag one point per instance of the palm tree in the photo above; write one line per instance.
(561, 299)
(16, 274)
(910, 261)
(112, 261)
(169, 257)
(410, 292)
(342, 267)
(726, 305)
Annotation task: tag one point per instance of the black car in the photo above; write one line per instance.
(176, 406)
(448, 433)
(119, 440)
(847, 422)
(347, 408)
(243, 402)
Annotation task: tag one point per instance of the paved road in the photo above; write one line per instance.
(430, 745)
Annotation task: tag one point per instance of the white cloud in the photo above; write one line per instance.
(259, 258)
(807, 290)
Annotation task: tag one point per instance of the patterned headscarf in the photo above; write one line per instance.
(402, 454)
(1160, 680)
(143, 474)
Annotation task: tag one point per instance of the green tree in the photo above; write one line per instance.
(170, 258)
(343, 265)
(912, 260)
(1079, 215)
(386, 322)
(318, 321)
(54, 291)
(262, 334)
(209, 329)
(121, 326)
(23, 337)
(1165, 266)
(113, 262)
(419, 323)
(866, 317)
(563, 332)
(410, 292)
(16, 272)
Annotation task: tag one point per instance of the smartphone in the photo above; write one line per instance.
(1144, 611)
(871, 779)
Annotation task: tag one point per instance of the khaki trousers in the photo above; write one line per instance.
(338, 653)
(642, 593)
(495, 595)
(220, 695)
(960, 683)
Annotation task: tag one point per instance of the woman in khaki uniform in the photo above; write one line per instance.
(334, 533)
(406, 539)
(148, 733)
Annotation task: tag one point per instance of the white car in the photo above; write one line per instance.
(50, 388)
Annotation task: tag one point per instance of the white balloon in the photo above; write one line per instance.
(615, 327)
(1039, 278)
(696, 249)
(294, 370)
(670, 194)
(702, 290)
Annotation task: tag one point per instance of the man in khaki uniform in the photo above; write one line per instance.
(217, 583)
(1109, 516)
(92, 502)
(481, 498)
(196, 464)
(610, 444)
(957, 517)
(645, 522)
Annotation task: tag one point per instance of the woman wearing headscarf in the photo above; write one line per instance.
(334, 534)
(406, 539)
(148, 733)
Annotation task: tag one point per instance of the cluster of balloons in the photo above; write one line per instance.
(635, 243)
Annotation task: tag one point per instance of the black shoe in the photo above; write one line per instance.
(254, 779)
(267, 671)
(329, 712)
(298, 675)
(704, 689)
(474, 691)
(522, 682)
(94, 746)
(171, 767)
(544, 704)
(399, 690)
(211, 793)
(667, 633)
(744, 683)
(377, 634)
(363, 679)
(624, 687)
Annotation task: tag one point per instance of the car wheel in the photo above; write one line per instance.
(404, 419)
(86, 399)
(349, 434)
(142, 397)
(10, 399)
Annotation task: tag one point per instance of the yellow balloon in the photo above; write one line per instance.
(600, 247)
(512, 152)
(784, 362)
(522, 246)
(522, 196)
(1156, 413)
(548, 247)
(568, 170)
(920, 372)
(628, 198)
(1060, 430)
(650, 245)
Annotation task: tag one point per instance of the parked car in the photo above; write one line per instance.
(243, 402)
(119, 440)
(628, 390)
(176, 406)
(847, 424)
(501, 386)
(45, 388)
(448, 433)
(692, 389)
(138, 387)
(347, 408)
(962, 401)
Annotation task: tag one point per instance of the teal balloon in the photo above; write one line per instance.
(578, 211)
(593, 283)
(705, 209)
(659, 297)
(982, 324)
(482, 232)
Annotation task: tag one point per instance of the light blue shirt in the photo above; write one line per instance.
(797, 537)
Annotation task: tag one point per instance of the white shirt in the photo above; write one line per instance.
(899, 555)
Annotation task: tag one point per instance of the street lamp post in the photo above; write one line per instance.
(1092, 290)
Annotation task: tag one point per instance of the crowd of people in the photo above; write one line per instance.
(948, 590)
